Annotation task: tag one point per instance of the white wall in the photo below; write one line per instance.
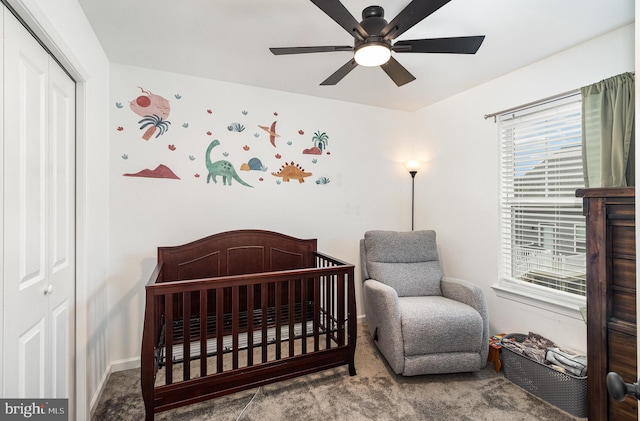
(62, 26)
(458, 193)
(368, 188)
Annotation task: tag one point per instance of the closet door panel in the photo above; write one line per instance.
(31, 361)
(27, 144)
(61, 229)
(62, 153)
(62, 366)
(25, 281)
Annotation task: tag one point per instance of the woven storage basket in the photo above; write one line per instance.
(564, 390)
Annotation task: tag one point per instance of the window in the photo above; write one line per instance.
(542, 225)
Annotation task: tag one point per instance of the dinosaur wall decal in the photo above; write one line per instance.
(292, 171)
(221, 168)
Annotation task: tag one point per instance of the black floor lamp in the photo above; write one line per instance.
(412, 166)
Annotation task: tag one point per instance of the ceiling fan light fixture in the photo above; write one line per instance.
(371, 54)
(373, 39)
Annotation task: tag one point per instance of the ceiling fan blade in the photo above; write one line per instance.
(341, 15)
(457, 45)
(340, 73)
(304, 50)
(397, 72)
(415, 11)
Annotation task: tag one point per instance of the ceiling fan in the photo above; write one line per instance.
(373, 36)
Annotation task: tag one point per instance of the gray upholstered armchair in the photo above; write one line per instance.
(421, 322)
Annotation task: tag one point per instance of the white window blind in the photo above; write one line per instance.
(542, 225)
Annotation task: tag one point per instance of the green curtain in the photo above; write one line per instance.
(608, 138)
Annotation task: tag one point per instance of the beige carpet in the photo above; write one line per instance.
(375, 393)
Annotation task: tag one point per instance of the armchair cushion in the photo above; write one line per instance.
(448, 326)
(401, 247)
(408, 279)
(406, 261)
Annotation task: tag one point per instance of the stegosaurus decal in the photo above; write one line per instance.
(292, 171)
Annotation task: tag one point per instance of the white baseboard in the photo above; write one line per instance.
(120, 365)
(101, 385)
(126, 364)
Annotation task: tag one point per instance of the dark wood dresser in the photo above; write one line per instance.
(611, 298)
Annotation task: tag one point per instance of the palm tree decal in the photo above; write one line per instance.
(320, 140)
(154, 122)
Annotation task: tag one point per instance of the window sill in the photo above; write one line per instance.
(529, 296)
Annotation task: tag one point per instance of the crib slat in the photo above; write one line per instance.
(292, 322)
(264, 301)
(329, 306)
(168, 341)
(219, 329)
(303, 310)
(250, 305)
(340, 308)
(235, 330)
(186, 335)
(278, 306)
(203, 332)
(316, 313)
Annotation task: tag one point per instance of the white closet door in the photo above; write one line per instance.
(39, 220)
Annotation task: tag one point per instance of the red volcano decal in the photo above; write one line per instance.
(161, 171)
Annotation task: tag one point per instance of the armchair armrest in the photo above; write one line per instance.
(383, 319)
(473, 296)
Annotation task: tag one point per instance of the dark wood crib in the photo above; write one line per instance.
(241, 309)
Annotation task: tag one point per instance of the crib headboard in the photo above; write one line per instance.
(236, 253)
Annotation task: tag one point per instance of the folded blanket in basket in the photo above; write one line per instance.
(533, 346)
(568, 359)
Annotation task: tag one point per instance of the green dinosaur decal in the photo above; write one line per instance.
(221, 168)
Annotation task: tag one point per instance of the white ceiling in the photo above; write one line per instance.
(229, 40)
